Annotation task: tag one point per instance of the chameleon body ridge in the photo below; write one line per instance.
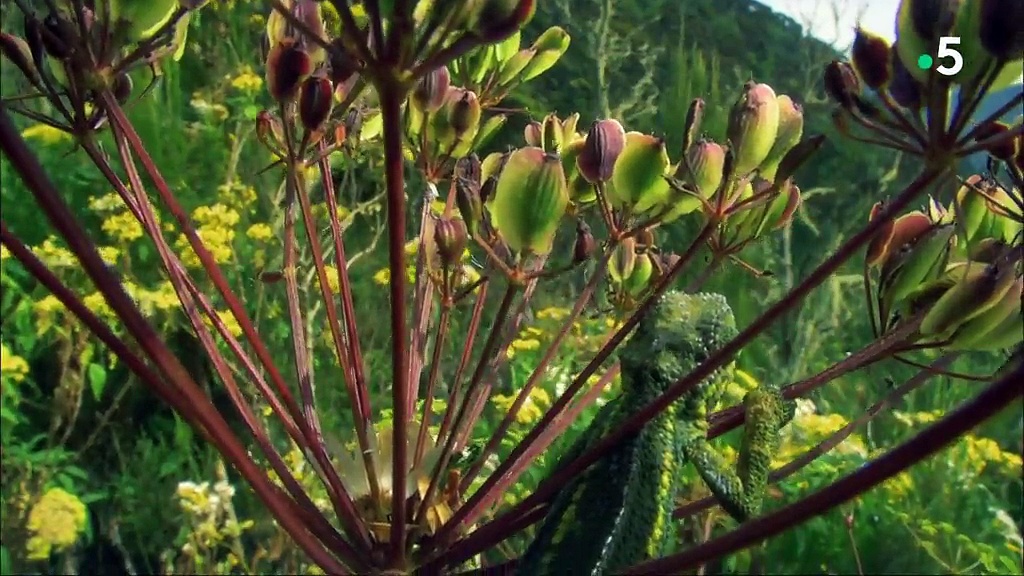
(618, 512)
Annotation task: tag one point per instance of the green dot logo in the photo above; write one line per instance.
(924, 61)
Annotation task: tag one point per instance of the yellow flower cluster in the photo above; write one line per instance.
(122, 227)
(12, 366)
(247, 81)
(533, 406)
(215, 227)
(211, 515)
(528, 339)
(54, 523)
(54, 256)
(236, 195)
(259, 232)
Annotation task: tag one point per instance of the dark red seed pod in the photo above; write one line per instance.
(315, 102)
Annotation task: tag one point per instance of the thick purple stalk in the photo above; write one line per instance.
(392, 94)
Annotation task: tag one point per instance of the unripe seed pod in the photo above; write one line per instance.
(753, 126)
(19, 53)
(122, 88)
(287, 67)
(450, 237)
(871, 59)
(841, 83)
(1002, 31)
(315, 102)
(269, 131)
(791, 129)
(1004, 150)
(533, 134)
(496, 20)
(465, 113)
(431, 89)
(603, 145)
(904, 88)
(644, 240)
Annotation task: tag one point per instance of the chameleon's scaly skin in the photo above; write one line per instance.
(618, 512)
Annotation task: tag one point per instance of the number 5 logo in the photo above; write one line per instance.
(946, 51)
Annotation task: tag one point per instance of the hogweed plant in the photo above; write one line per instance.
(423, 83)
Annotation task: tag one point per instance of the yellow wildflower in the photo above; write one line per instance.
(230, 322)
(11, 365)
(521, 344)
(259, 232)
(98, 304)
(532, 408)
(45, 133)
(4, 253)
(109, 254)
(216, 215)
(122, 227)
(110, 202)
(247, 81)
(53, 255)
(383, 276)
(332, 278)
(552, 313)
(55, 523)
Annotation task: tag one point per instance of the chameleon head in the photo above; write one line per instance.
(679, 332)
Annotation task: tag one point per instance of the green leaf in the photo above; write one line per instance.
(97, 379)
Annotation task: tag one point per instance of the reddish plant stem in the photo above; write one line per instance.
(345, 285)
(443, 326)
(515, 464)
(216, 275)
(988, 403)
(423, 301)
(538, 371)
(392, 94)
(192, 403)
(486, 539)
(188, 295)
(734, 416)
(834, 439)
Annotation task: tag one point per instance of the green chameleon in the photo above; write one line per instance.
(618, 512)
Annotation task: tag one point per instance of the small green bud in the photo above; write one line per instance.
(602, 147)
(753, 126)
(530, 200)
(622, 261)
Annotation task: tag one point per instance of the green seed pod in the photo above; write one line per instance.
(703, 166)
(622, 261)
(753, 126)
(638, 177)
(530, 200)
(878, 247)
(638, 281)
(871, 59)
(977, 290)
(784, 206)
(549, 48)
(791, 129)
(601, 149)
(998, 327)
(464, 113)
(143, 18)
(905, 230)
(511, 68)
(917, 263)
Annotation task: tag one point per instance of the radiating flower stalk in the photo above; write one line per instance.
(422, 82)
